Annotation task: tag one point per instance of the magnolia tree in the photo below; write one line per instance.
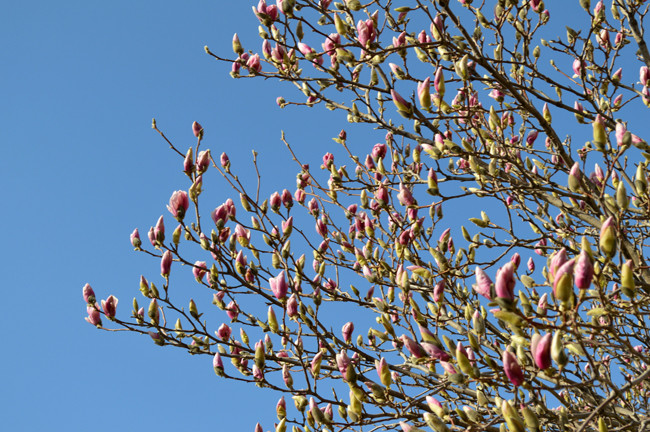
(490, 249)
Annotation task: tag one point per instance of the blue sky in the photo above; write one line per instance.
(81, 167)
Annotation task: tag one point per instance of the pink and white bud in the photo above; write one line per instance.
(224, 332)
(197, 129)
(135, 239)
(292, 306)
(405, 196)
(505, 283)
(577, 68)
(540, 347)
(199, 270)
(159, 230)
(89, 294)
(413, 347)
(166, 263)
(178, 204)
(94, 317)
(347, 330)
(400, 102)
(342, 361)
(512, 369)
(435, 351)
(583, 270)
(483, 284)
(424, 95)
(110, 307)
(279, 285)
(644, 75)
(557, 260)
(232, 310)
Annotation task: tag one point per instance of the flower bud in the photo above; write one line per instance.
(94, 317)
(273, 321)
(135, 239)
(89, 294)
(424, 94)
(512, 369)
(109, 306)
(557, 350)
(217, 364)
(607, 242)
(292, 306)
(483, 284)
(279, 285)
(197, 129)
(540, 348)
(166, 263)
(347, 330)
(583, 271)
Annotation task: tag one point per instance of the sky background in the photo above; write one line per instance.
(81, 167)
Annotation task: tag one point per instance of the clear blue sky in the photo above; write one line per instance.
(81, 168)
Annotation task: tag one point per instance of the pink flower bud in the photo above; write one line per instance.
(292, 306)
(516, 260)
(483, 284)
(583, 270)
(178, 204)
(399, 40)
(159, 230)
(199, 270)
(197, 129)
(540, 347)
(225, 161)
(400, 102)
(438, 291)
(505, 284)
(531, 265)
(89, 294)
(287, 199)
(512, 369)
(379, 151)
(644, 75)
(497, 95)
(232, 310)
(94, 316)
(532, 136)
(557, 260)
(135, 239)
(254, 64)
(347, 330)
(224, 332)
(279, 285)
(413, 347)
(287, 226)
(166, 263)
(405, 196)
(110, 307)
(577, 67)
(342, 361)
(435, 351)
(188, 163)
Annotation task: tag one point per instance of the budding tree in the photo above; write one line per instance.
(491, 278)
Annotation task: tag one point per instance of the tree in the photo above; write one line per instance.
(482, 106)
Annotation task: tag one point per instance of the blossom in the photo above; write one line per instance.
(178, 204)
(279, 285)
(110, 306)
